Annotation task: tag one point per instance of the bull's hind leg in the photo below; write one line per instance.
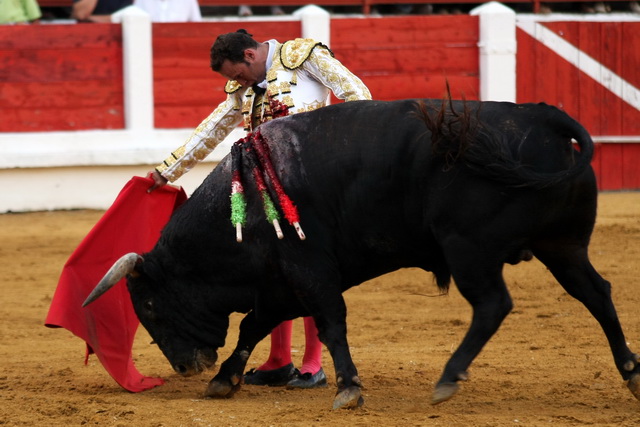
(485, 290)
(570, 265)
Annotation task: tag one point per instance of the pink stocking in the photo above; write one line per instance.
(312, 360)
(280, 354)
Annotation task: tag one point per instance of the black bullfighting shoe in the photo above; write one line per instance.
(272, 377)
(306, 380)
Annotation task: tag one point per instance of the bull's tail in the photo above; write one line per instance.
(577, 132)
(459, 135)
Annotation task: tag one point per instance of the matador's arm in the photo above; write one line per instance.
(331, 73)
(211, 132)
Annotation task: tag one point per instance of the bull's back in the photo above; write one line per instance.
(359, 175)
(376, 193)
(357, 147)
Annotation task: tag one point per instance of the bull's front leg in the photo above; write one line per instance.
(317, 286)
(228, 380)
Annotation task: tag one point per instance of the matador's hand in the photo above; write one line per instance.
(158, 180)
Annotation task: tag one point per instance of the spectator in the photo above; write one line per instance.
(171, 10)
(97, 10)
(19, 11)
(263, 77)
(247, 11)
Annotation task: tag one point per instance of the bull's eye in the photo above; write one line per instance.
(148, 305)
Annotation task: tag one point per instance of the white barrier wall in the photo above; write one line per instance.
(497, 47)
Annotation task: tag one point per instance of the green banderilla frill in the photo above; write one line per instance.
(269, 207)
(238, 209)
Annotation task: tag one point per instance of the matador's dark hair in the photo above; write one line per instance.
(231, 46)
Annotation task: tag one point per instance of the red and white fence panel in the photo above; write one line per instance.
(591, 69)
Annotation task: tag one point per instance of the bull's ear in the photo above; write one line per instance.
(137, 268)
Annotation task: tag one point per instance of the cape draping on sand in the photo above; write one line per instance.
(108, 325)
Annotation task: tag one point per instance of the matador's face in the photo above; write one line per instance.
(249, 72)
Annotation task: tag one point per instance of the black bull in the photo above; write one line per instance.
(455, 188)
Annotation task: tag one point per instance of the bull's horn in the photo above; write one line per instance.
(117, 272)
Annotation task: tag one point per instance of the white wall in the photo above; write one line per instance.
(73, 170)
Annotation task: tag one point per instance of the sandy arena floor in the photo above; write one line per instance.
(548, 365)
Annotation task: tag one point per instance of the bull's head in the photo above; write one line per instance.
(187, 331)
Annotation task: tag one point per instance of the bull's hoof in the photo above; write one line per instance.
(349, 398)
(221, 389)
(634, 385)
(444, 392)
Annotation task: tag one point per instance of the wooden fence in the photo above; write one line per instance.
(64, 88)
(591, 69)
(69, 77)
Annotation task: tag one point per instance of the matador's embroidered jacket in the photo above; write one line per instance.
(301, 73)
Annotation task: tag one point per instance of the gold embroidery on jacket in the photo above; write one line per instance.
(310, 107)
(294, 52)
(288, 101)
(284, 87)
(232, 86)
(272, 74)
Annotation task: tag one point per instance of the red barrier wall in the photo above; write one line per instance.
(60, 77)
(185, 89)
(69, 77)
(544, 75)
(411, 56)
(617, 166)
(400, 57)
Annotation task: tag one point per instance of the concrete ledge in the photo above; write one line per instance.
(86, 170)
(43, 189)
(98, 148)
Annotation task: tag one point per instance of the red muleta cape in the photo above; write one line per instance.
(108, 325)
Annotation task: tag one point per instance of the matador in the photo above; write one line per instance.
(266, 81)
(299, 75)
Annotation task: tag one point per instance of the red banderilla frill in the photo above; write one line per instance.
(256, 152)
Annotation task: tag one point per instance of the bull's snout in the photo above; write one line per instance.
(202, 360)
(184, 370)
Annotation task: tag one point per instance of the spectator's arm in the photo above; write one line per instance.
(83, 9)
(32, 10)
